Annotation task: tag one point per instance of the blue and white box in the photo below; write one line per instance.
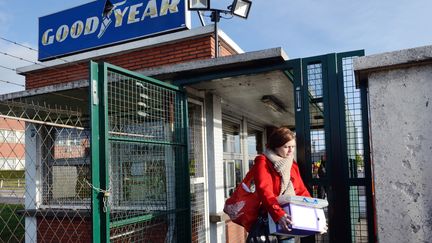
(307, 216)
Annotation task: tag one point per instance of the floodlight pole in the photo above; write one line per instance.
(215, 17)
(216, 14)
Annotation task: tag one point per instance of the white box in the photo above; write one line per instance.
(307, 216)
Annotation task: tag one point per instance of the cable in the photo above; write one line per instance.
(36, 63)
(20, 58)
(10, 82)
(18, 44)
(8, 68)
(30, 48)
(29, 74)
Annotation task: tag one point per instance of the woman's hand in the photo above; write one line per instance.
(285, 222)
(324, 230)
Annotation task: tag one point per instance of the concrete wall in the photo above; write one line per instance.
(400, 102)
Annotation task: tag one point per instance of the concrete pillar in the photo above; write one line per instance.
(400, 102)
(215, 167)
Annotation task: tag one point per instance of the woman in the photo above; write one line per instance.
(278, 174)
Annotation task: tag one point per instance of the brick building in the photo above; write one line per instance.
(12, 143)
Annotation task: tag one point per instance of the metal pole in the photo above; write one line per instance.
(201, 18)
(215, 18)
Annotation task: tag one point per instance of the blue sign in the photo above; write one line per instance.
(106, 22)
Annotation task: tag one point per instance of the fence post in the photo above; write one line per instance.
(33, 173)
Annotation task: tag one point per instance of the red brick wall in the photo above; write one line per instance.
(64, 229)
(77, 230)
(235, 233)
(182, 51)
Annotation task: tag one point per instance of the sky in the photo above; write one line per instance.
(302, 28)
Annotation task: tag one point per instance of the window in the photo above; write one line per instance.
(233, 155)
(20, 137)
(11, 164)
(8, 136)
(254, 144)
(240, 149)
(229, 172)
(66, 166)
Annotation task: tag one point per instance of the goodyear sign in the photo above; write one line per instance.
(106, 22)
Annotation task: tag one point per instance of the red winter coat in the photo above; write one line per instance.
(268, 183)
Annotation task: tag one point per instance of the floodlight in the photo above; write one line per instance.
(241, 8)
(199, 4)
(274, 103)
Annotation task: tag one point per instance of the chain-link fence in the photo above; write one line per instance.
(48, 194)
(44, 167)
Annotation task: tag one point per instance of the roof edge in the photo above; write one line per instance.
(393, 59)
(272, 53)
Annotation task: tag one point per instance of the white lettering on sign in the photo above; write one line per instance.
(135, 13)
(46, 38)
(119, 14)
(77, 29)
(91, 26)
(62, 33)
(151, 10)
(166, 5)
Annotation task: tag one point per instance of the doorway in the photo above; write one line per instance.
(318, 98)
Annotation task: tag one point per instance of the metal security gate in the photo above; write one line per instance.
(140, 171)
(331, 123)
(332, 129)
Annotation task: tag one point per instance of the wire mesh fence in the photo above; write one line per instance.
(317, 139)
(45, 174)
(148, 183)
(197, 172)
(44, 166)
(355, 152)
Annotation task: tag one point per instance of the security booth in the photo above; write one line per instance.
(208, 119)
(143, 139)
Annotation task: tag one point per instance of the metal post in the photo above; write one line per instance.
(215, 17)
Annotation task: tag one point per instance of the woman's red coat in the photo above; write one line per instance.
(268, 183)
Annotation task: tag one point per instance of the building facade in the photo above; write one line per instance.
(120, 175)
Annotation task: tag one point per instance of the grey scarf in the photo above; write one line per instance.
(283, 167)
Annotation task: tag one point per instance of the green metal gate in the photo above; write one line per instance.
(140, 171)
(331, 122)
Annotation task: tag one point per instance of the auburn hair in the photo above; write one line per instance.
(279, 137)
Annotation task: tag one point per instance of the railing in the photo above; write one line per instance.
(12, 184)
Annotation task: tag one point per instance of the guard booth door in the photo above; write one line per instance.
(140, 172)
(332, 133)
